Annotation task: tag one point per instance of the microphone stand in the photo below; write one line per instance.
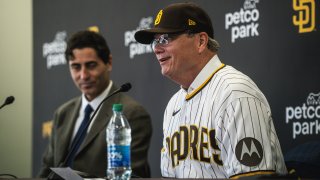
(124, 88)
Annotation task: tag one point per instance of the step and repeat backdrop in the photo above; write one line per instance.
(275, 42)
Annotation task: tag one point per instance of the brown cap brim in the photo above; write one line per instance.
(146, 36)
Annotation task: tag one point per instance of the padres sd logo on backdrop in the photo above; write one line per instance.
(305, 19)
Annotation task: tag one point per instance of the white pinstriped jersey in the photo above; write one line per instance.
(220, 128)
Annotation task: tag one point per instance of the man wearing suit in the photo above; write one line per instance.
(90, 64)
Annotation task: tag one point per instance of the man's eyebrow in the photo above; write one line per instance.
(90, 62)
(74, 63)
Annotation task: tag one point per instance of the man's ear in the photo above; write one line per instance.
(109, 64)
(203, 41)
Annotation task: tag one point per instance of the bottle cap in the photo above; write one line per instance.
(117, 107)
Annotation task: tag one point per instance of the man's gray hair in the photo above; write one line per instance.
(213, 45)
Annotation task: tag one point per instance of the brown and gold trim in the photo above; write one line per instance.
(254, 173)
(193, 93)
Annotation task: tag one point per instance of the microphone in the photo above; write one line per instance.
(123, 88)
(10, 100)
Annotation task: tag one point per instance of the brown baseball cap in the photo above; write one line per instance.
(175, 18)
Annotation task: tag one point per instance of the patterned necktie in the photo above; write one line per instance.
(81, 134)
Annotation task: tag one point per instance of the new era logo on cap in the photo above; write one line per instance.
(191, 23)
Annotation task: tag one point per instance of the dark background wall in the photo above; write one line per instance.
(266, 45)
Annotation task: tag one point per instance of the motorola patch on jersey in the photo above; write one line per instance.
(249, 152)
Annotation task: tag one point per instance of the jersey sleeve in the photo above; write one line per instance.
(247, 138)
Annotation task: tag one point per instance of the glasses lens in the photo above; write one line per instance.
(154, 43)
(162, 41)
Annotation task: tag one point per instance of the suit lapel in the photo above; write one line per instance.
(102, 119)
(65, 132)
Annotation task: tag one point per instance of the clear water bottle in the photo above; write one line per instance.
(118, 138)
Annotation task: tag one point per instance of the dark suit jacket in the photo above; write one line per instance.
(92, 156)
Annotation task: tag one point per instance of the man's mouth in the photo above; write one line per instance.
(162, 60)
(86, 85)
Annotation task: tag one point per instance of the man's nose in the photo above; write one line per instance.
(84, 73)
(157, 49)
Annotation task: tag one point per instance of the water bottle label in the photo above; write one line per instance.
(118, 156)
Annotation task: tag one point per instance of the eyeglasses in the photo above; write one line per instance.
(164, 40)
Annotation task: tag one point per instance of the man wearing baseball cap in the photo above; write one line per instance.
(219, 124)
